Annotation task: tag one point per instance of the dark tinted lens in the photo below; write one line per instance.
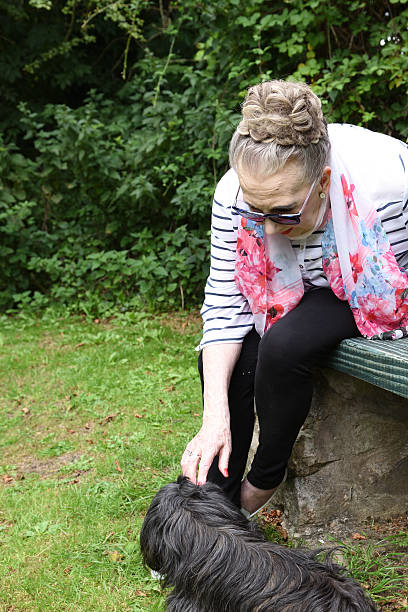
(254, 217)
(247, 214)
(285, 220)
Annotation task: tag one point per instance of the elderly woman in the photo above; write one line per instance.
(309, 246)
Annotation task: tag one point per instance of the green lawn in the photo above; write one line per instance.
(94, 417)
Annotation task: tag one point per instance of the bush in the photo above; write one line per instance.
(106, 201)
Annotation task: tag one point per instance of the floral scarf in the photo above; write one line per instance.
(357, 261)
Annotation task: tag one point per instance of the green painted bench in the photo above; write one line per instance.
(383, 363)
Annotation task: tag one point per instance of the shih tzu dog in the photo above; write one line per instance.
(218, 561)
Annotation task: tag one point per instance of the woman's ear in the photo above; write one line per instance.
(325, 180)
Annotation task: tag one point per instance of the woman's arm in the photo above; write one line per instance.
(227, 319)
(214, 437)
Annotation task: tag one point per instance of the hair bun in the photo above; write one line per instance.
(284, 112)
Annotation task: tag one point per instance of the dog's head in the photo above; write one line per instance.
(178, 518)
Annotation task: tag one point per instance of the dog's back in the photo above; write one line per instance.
(218, 561)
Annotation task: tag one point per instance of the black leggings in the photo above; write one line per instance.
(277, 371)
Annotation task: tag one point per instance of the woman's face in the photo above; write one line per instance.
(284, 192)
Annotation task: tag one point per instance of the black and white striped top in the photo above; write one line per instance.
(225, 311)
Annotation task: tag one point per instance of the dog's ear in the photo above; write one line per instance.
(188, 489)
(181, 479)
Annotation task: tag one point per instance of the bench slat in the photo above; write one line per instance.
(380, 362)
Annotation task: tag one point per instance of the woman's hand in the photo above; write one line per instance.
(214, 438)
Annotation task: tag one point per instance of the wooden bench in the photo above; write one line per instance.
(350, 461)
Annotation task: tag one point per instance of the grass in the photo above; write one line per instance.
(93, 420)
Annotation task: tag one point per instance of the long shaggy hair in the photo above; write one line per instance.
(218, 561)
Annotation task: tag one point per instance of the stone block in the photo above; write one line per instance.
(350, 461)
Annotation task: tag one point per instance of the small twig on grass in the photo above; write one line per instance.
(110, 534)
(41, 552)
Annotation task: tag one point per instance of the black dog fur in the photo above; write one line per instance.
(218, 561)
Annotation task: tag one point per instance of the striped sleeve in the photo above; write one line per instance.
(225, 312)
(394, 211)
(403, 256)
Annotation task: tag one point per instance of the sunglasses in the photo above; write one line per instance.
(282, 218)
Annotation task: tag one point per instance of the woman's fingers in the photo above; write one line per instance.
(189, 464)
(205, 464)
(200, 453)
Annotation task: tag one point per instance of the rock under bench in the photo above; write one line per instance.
(350, 461)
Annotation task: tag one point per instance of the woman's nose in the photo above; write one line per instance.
(271, 227)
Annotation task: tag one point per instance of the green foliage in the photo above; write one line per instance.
(107, 173)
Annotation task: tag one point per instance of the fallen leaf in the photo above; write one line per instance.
(90, 441)
(71, 431)
(77, 346)
(196, 414)
(169, 388)
(115, 556)
(67, 570)
(108, 419)
(140, 594)
(283, 532)
(138, 416)
(87, 426)
(274, 517)
(358, 536)
(75, 481)
(7, 478)
(118, 466)
(26, 411)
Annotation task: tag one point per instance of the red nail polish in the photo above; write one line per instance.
(226, 473)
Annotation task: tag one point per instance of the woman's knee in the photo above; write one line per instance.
(279, 352)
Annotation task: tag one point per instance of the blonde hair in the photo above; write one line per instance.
(281, 121)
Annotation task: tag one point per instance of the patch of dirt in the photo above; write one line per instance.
(47, 467)
(378, 533)
(47, 342)
(190, 322)
(388, 527)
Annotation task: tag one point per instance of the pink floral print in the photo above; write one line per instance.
(371, 281)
